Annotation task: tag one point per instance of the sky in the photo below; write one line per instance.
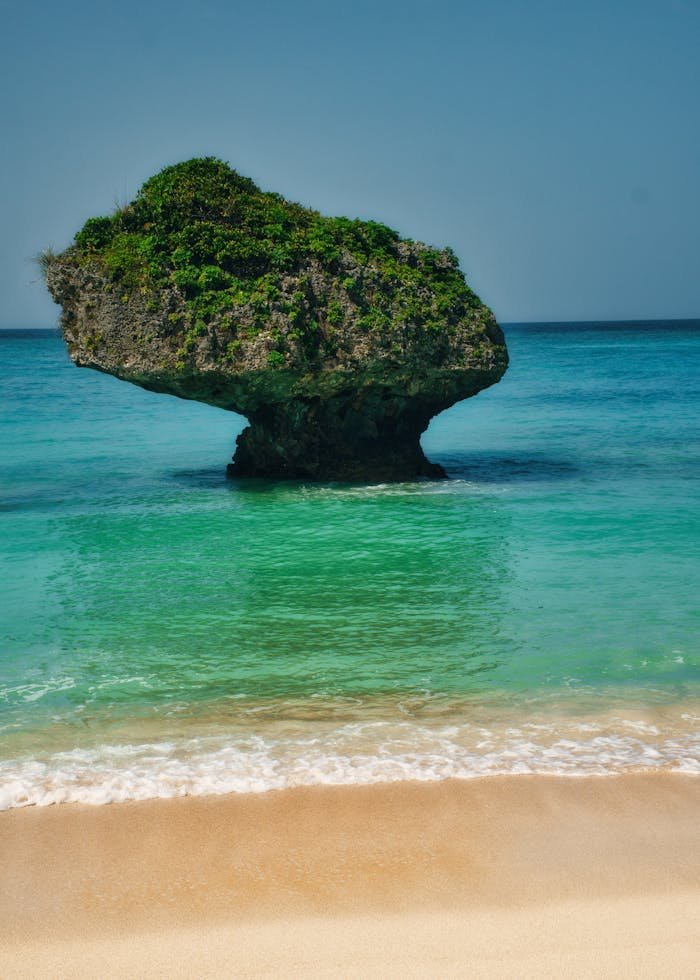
(554, 145)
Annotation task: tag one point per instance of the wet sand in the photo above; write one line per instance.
(512, 876)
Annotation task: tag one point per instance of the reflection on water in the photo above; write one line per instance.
(337, 590)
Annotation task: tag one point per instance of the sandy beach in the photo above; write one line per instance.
(514, 876)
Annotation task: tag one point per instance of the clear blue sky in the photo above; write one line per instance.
(555, 144)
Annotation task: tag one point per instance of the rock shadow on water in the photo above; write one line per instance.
(498, 468)
(210, 477)
(215, 478)
(487, 468)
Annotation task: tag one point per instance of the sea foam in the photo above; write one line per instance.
(347, 755)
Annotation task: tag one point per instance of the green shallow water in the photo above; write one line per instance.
(146, 599)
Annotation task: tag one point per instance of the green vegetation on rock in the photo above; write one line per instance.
(201, 227)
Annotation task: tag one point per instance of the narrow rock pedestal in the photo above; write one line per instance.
(372, 438)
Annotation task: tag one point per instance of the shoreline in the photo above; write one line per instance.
(258, 745)
(430, 867)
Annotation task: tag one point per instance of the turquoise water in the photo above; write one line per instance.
(164, 630)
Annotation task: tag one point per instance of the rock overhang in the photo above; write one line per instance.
(337, 339)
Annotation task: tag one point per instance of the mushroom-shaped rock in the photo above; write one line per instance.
(337, 339)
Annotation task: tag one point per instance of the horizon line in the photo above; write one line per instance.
(503, 323)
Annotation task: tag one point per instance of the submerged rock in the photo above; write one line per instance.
(337, 339)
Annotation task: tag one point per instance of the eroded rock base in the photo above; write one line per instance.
(339, 440)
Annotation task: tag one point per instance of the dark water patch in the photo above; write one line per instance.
(209, 477)
(23, 504)
(514, 468)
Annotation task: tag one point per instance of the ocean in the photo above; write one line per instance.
(166, 631)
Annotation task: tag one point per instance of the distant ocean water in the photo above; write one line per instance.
(166, 631)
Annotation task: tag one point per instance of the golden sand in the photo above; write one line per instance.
(513, 876)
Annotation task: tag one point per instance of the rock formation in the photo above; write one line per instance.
(336, 339)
